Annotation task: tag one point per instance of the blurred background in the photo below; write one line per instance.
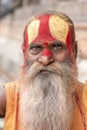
(14, 14)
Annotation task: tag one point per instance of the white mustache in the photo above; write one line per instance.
(60, 69)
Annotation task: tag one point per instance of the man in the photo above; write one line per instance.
(47, 95)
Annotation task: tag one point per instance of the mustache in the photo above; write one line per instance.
(61, 69)
(37, 68)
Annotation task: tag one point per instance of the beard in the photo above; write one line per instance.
(46, 99)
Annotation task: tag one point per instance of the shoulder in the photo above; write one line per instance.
(2, 102)
(85, 85)
(82, 89)
(84, 96)
(11, 94)
(11, 86)
(85, 91)
(11, 89)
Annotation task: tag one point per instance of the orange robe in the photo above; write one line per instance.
(79, 120)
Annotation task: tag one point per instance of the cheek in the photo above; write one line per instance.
(62, 57)
(32, 59)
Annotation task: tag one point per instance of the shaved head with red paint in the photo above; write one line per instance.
(49, 27)
(49, 75)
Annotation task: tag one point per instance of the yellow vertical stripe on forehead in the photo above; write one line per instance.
(33, 28)
(58, 28)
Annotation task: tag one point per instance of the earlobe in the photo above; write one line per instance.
(75, 49)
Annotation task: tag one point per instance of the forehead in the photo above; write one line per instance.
(48, 28)
(47, 43)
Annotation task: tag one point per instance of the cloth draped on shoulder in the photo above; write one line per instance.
(79, 119)
(11, 105)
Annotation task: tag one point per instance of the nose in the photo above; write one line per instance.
(46, 57)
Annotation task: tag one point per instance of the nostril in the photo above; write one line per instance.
(45, 60)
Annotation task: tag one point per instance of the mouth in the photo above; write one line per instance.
(45, 71)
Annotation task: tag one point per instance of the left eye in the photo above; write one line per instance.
(57, 47)
(35, 49)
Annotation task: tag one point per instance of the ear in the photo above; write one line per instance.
(75, 49)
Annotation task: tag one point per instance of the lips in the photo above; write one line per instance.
(45, 71)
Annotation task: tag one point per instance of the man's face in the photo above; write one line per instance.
(48, 52)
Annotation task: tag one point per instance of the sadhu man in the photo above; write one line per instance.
(47, 95)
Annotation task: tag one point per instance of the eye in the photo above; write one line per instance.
(36, 49)
(57, 47)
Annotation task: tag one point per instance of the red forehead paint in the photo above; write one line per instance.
(25, 44)
(46, 44)
(44, 31)
(46, 52)
(69, 42)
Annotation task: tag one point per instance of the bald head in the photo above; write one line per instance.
(50, 27)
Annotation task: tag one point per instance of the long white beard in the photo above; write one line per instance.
(46, 102)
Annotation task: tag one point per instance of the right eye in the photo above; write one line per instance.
(35, 49)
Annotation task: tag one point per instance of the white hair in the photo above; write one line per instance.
(46, 99)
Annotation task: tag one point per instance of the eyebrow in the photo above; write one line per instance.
(33, 44)
(58, 42)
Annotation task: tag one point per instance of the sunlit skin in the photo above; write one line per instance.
(48, 52)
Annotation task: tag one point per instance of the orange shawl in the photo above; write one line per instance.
(79, 121)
